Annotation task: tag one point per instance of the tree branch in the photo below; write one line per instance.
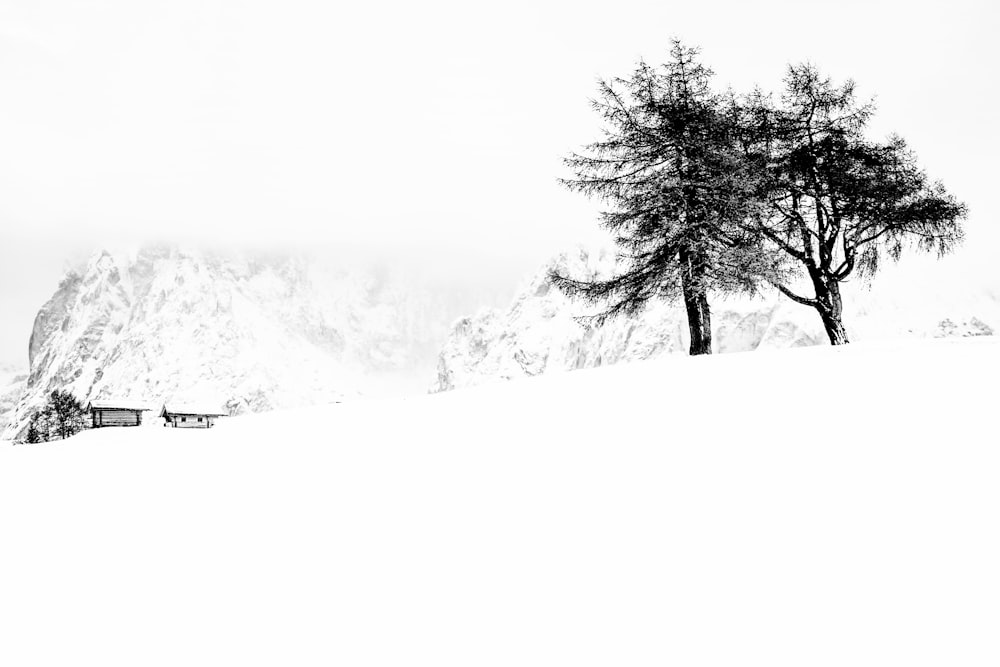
(796, 298)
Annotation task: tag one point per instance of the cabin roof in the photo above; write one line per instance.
(117, 404)
(192, 409)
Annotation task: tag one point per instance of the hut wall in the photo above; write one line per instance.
(104, 417)
(191, 421)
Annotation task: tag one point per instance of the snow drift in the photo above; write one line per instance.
(816, 506)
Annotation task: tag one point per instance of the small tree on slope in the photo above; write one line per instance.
(64, 414)
(35, 432)
(836, 203)
(672, 170)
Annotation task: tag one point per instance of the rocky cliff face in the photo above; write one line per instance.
(542, 331)
(246, 333)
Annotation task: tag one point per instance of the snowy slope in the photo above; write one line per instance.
(540, 332)
(241, 331)
(674, 512)
(12, 382)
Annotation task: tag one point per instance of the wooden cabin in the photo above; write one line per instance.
(111, 412)
(190, 416)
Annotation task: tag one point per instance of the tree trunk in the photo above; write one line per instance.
(831, 310)
(696, 303)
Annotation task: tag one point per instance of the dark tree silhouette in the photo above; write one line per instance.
(671, 167)
(836, 203)
(64, 415)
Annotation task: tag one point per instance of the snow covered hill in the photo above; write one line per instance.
(236, 330)
(540, 333)
(814, 506)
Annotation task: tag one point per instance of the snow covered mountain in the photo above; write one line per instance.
(540, 332)
(246, 333)
(251, 334)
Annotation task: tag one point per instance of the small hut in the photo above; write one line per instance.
(179, 415)
(114, 412)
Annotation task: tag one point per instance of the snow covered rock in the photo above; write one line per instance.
(11, 385)
(248, 333)
(542, 331)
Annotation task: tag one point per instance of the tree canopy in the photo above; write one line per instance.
(671, 169)
(834, 202)
(712, 193)
(62, 417)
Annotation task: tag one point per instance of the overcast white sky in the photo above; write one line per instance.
(433, 125)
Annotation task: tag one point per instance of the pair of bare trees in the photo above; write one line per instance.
(719, 193)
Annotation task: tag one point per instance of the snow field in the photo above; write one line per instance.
(815, 506)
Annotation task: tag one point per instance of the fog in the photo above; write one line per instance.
(428, 133)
